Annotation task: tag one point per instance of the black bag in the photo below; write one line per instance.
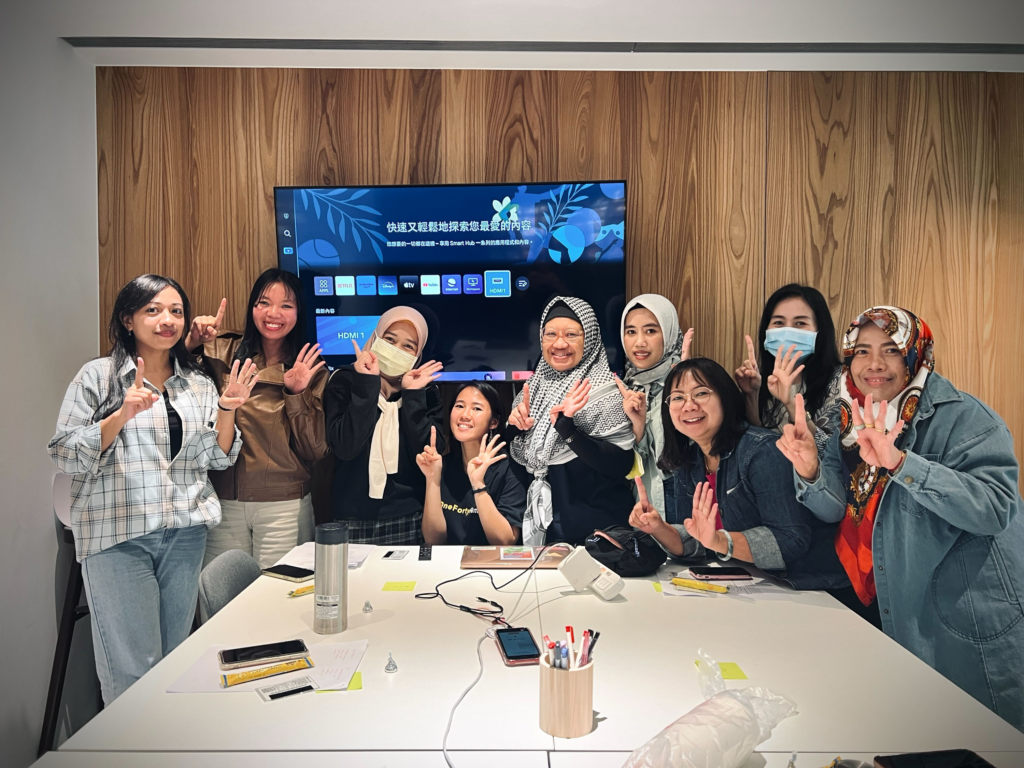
(626, 551)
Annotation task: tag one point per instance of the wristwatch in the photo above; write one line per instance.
(728, 554)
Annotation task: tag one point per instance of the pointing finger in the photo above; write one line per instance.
(433, 438)
(750, 349)
(642, 493)
(355, 346)
(140, 367)
(526, 396)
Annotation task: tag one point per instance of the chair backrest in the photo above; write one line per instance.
(224, 579)
(62, 497)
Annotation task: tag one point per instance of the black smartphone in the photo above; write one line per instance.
(949, 758)
(288, 572)
(707, 573)
(268, 653)
(517, 647)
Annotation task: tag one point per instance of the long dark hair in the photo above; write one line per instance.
(820, 367)
(678, 449)
(493, 399)
(130, 299)
(252, 342)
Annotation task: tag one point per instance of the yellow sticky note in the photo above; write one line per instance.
(399, 586)
(656, 585)
(730, 670)
(356, 683)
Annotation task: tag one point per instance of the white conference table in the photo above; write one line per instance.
(857, 692)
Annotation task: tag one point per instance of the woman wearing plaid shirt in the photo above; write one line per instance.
(139, 429)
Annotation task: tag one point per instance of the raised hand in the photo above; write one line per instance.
(644, 516)
(297, 378)
(575, 400)
(782, 379)
(520, 416)
(241, 380)
(701, 525)
(877, 445)
(748, 375)
(205, 327)
(635, 406)
(797, 443)
(366, 361)
(477, 469)
(418, 378)
(138, 397)
(429, 461)
(687, 341)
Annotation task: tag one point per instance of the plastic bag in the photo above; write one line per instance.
(719, 733)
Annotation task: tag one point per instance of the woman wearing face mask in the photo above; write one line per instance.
(379, 412)
(799, 355)
(732, 487)
(265, 496)
(653, 345)
(139, 429)
(923, 481)
(472, 495)
(569, 431)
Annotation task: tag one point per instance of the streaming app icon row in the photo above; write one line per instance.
(492, 283)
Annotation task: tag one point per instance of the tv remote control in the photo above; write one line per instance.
(425, 552)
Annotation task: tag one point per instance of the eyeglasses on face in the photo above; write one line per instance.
(698, 396)
(570, 336)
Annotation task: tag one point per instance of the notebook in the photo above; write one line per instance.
(512, 557)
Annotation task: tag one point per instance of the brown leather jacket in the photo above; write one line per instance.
(282, 434)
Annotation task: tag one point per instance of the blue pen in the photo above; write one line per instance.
(565, 657)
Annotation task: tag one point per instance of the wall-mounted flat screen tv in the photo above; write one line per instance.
(479, 261)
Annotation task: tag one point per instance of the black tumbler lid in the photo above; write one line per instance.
(332, 533)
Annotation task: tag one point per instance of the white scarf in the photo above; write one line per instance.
(384, 446)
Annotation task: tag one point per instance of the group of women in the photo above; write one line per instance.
(856, 470)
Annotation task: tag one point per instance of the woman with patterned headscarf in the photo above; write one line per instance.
(569, 431)
(924, 483)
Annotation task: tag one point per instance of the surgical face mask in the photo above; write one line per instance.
(787, 337)
(393, 362)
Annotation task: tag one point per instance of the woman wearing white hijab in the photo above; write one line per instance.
(569, 431)
(653, 346)
(378, 413)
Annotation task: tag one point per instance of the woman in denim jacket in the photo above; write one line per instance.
(923, 481)
(730, 486)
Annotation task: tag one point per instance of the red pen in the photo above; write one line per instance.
(585, 648)
(570, 639)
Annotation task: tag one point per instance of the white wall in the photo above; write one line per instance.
(49, 317)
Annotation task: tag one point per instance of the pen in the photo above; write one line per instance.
(569, 640)
(565, 657)
(590, 653)
(699, 585)
(584, 648)
(551, 653)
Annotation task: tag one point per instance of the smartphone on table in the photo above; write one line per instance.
(288, 572)
(707, 573)
(517, 646)
(268, 653)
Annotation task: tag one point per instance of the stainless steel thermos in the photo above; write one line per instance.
(330, 593)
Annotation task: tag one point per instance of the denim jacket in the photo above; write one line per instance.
(756, 498)
(948, 545)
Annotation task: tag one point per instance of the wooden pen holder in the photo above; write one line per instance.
(566, 700)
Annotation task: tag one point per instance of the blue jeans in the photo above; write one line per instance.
(142, 598)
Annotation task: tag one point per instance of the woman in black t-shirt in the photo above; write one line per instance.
(472, 497)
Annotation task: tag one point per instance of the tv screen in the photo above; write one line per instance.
(480, 262)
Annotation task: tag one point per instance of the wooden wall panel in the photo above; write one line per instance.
(906, 189)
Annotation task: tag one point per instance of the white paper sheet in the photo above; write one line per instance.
(304, 555)
(334, 665)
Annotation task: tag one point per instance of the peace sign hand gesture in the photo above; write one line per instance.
(477, 469)
(877, 445)
(780, 382)
(297, 378)
(644, 516)
(241, 380)
(205, 328)
(138, 397)
(429, 461)
(575, 401)
(635, 406)
(701, 525)
(797, 444)
(748, 375)
(418, 378)
(366, 361)
(520, 417)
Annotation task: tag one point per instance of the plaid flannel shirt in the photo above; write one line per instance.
(136, 487)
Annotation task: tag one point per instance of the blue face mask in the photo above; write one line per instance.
(787, 337)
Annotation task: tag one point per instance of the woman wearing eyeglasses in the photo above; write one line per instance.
(568, 430)
(734, 495)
